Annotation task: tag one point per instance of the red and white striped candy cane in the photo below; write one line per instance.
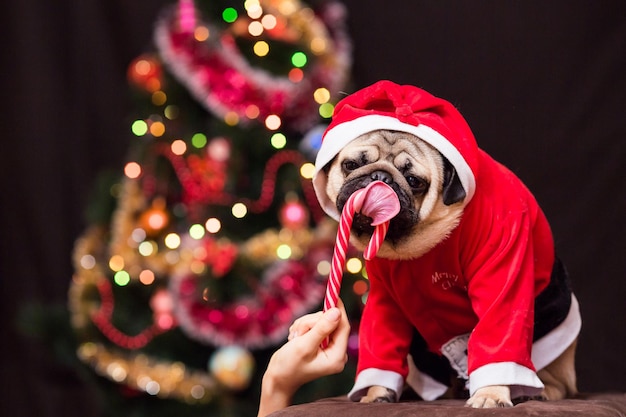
(352, 206)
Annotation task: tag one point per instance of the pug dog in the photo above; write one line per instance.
(466, 276)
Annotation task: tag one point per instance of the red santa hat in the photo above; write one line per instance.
(405, 108)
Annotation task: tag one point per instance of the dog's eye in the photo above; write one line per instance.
(349, 165)
(418, 185)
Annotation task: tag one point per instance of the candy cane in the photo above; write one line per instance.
(354, 205)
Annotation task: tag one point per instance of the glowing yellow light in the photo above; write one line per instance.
(307, 169)
(272, 122)
(139, 127)
(178, 147)
(283, 251)
(321, 95)
(157, 129)
(159, 98)
(87, 261)
(213, 225)
(172, 241)
(121, 278)
(296, 75)
(201, 33)
(252, 111)
(254, 10)
(146, 277)
(326, 110)
(354, 265)
(196, 231)
(323, 268)
(239, 210)
(278, 140)
(171, 112)
(318, 45)
(255, 28)
(231, 118)
(261, 48)
(269, 21)
(132, 170)
(146, 248)
(116, 263)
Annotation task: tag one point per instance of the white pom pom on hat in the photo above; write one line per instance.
(388, 106)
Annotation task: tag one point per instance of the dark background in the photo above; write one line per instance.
(543, 85)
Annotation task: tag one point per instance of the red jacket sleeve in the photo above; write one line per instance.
(505, 272)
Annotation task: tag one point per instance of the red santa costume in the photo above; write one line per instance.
(491, 298)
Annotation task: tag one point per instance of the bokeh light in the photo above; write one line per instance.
(306, 170)
(201, 33)
(121, 278)
(178, 147)
(239, 210)
(213, 225)
(326, 110)
(273, 122)
(139, 127)
(278, 140)
(299, 59)
(172, 241)
(146, 277)
(261, 48)
(196, 231)
(255, 28)
(132, 170)
(321, 95)
(199, 140)
(229, 15)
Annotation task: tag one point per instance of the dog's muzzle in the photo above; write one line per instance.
(400, 226)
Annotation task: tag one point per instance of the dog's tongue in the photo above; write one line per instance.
(379, 202)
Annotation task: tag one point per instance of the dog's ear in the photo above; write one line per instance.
(453, 190)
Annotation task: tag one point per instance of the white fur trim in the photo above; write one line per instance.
(549, 347)
(344, 133)
(522, 380)
(373, 376)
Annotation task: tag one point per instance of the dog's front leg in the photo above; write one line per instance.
(491, 397)
(378, 394)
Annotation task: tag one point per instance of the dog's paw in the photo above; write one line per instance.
(491, 397)
(378, 394)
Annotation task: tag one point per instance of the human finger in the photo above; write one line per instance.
(326, 324)
(303, 324)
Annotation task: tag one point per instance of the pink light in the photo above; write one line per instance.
(186, 16)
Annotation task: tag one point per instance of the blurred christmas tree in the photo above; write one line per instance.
(211, 243)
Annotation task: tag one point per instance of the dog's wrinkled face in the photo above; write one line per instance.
(429, 193)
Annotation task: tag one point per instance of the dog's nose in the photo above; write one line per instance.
(381, 176)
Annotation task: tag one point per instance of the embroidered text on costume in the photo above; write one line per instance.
(447, 280)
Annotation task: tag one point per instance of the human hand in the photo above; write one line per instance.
(302, 359)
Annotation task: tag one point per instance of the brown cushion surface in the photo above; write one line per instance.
(587, 405)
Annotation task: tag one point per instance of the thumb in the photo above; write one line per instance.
(325, 325)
